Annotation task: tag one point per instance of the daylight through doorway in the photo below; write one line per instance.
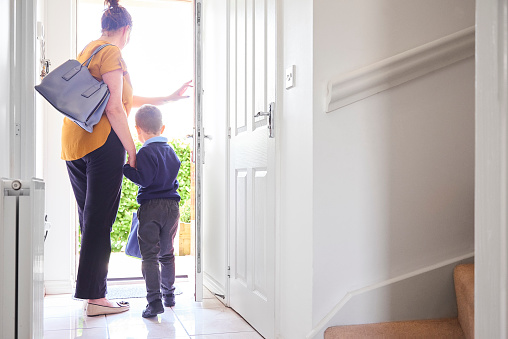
(159, 58)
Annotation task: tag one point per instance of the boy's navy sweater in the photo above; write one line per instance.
(157, 167)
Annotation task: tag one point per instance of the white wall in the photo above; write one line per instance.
(393, 173)
(295, 188)
(5, 69)
(60, 203)
(215, 123)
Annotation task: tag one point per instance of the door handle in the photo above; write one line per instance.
(271, 120)
(190, 136)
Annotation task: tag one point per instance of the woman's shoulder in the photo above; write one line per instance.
(92, 46)
(108, 59)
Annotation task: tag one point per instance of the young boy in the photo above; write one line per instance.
(157, 166)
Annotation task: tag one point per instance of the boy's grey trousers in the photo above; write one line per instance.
(158, 223)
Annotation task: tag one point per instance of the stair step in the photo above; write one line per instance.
(435, 328)
(463, 276)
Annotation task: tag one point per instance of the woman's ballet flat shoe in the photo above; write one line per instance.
(93, 310)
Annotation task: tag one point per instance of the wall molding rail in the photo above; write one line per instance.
(318, 330)
(400, 68)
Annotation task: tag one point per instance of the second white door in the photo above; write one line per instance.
(252, 84)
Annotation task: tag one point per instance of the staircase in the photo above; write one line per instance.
(460, 327)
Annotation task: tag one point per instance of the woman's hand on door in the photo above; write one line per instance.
(179, 93)
(157, 101)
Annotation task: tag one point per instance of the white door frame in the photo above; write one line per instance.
(22, 98)
(491, 193)
(198, 148)
(60, 23)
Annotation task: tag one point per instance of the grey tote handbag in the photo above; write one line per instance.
(73, 91)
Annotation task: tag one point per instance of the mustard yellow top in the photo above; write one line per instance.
(76, 142)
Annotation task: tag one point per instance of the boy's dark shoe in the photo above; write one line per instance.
(153, 308)
(169, 300)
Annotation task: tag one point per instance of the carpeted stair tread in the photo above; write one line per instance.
(463, 276)
(435, 328)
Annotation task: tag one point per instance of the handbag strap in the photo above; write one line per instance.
(97, 50)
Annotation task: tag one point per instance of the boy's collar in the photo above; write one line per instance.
(156, 139)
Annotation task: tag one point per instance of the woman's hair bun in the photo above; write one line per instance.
(111, 3)
(115, 16)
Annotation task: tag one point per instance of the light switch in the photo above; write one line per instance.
(290, 76)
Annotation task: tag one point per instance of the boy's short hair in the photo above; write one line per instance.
(149, 119)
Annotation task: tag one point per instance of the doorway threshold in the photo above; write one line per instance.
(140, 279)
(123, 268)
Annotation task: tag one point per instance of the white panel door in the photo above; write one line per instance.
(252, 60)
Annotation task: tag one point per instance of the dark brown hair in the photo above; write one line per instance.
(149, 119)
(115, 16)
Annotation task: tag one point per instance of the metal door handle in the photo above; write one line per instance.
(260, 114)
(271, 120)
(190, 136)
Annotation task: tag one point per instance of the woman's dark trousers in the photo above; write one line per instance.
(158, 223)
(96, 180)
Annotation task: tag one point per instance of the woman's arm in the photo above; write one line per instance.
(157, 101)
(116, 114)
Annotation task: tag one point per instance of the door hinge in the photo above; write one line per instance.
(229, 271)
(17, 129)
(198, 14)
(229, 132)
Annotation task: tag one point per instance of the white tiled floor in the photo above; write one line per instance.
(64, 318)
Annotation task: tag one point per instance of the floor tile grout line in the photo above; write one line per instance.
(60, 317)
(199, 308)
(77, 328)
(207, 334)
(227, 332)
(176, 316)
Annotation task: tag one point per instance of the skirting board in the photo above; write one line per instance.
(422, 294)
(398, 69)
(58, 286)
(214, 286)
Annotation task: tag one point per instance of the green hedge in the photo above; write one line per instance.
(128, 203)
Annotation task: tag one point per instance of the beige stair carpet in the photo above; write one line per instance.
(463, 275)
(420, 329)
(461, 327)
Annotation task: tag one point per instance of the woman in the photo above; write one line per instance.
(94, 160)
